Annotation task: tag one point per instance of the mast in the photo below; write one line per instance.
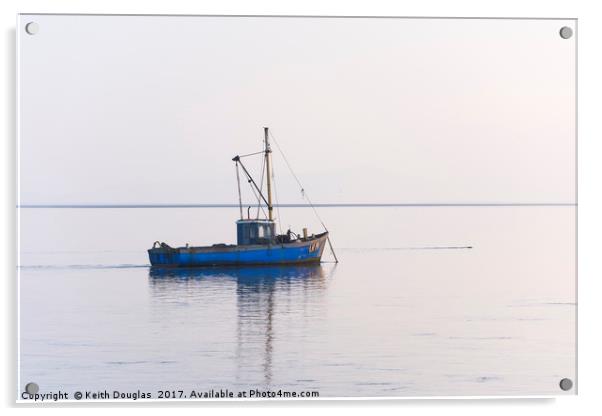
(269, 172)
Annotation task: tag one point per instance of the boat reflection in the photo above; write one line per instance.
(251, 275)
(267, 298)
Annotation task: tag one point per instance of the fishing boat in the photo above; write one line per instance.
(257, 240)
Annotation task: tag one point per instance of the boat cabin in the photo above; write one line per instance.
(255, 231)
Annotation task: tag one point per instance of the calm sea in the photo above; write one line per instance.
(410, 310)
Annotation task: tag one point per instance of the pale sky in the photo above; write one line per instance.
(151, 109)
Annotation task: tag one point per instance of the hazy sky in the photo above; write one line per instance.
(152, 109)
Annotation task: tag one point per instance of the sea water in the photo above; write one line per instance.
(460, 300)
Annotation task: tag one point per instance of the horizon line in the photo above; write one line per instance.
(319, 205)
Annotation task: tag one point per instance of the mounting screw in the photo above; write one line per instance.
(32, 28)
(32, 388)
(566, 384)
(566, 32)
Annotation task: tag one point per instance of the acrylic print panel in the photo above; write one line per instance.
(439, 155)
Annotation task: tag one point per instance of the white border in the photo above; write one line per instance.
(590, 171)
(18, 186)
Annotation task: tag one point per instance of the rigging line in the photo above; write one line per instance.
(303, 192)
(252, 154)
(250, 178)
(261, 183)
(255, 194)
(276, 197)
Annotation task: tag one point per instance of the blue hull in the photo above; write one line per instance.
(300, 251)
